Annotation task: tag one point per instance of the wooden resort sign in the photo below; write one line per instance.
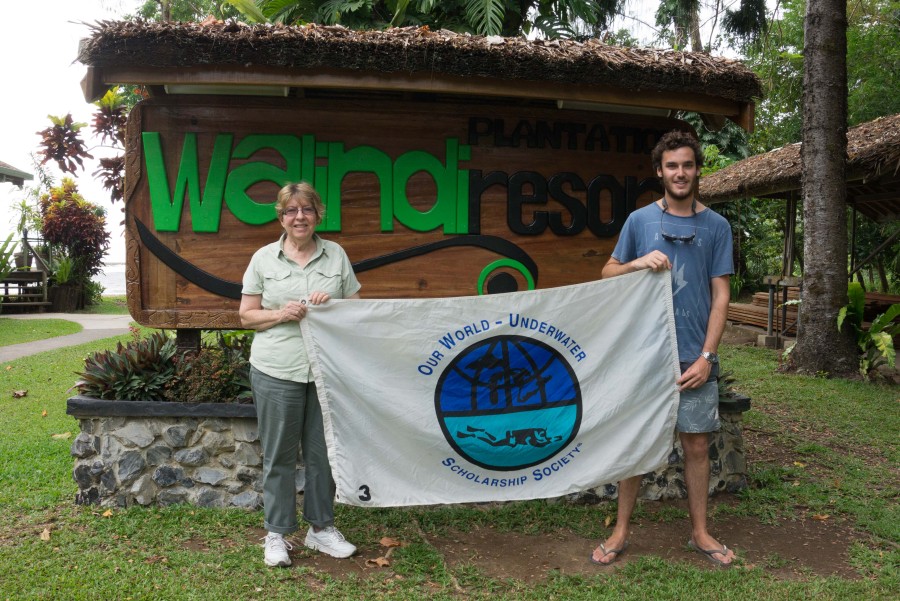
(429, 199)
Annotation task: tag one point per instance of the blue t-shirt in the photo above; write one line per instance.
(694, 264)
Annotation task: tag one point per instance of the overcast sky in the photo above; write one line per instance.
(39, 45)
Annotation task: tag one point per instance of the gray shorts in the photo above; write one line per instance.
(698, 409)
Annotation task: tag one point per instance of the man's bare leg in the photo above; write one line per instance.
(628, 492)
(696, 479)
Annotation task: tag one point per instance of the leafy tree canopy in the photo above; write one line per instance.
(873, 61)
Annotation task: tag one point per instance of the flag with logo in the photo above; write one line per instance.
(501, 397)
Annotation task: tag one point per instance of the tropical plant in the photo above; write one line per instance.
(184, 10)
(218, 373)
(138, 371)
(62, 270)
(873, 59)
(61, 142)
(876, 344)
(28, 216)
(548, 18)
(151, 369)
(92, 292)
(7, 263)
(78, 227)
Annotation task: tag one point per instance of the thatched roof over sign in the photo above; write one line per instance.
(873, 172)
(124, 47)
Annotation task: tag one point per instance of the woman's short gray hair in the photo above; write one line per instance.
(300, 191)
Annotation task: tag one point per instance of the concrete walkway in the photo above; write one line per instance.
(95, 328)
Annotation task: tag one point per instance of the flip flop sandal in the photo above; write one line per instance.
(618, 553)
(709, 553)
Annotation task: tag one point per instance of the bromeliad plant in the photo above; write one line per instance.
(152, 369)
(138, 371)
(877, 342)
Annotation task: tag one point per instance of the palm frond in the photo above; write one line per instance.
(486, 16)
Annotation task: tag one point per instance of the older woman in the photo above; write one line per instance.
(284, 279)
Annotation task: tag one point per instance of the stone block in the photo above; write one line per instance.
(247, 500)
(135, 434)
(158, 454)
(166, 475)
(250, 476)
(83, 476)
(210, 498)
(217, 442)
(245, 430)
(143, 491)
(177, 436)
(172, 496)
(246, 453)
(85, 445)
(215, 424)
(207, 475)
(130, 466)
(193, 456)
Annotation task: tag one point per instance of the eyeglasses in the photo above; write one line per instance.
(672, 237)
(292, 211)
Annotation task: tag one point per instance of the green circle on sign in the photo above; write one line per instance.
(511, 263)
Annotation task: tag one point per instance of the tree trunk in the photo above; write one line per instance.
(882, 275)
(696, 42)
(820, 347)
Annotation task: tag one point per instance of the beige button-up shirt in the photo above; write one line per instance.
(279, 351)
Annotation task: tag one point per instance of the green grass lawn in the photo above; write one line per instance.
(17, 331)
(841, 436)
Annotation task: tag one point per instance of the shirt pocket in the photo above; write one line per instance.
(277, 285)
(327, 280)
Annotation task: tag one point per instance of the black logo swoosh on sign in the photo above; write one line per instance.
(229, 289)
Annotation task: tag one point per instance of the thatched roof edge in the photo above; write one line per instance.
(873, 150)
(414, 49)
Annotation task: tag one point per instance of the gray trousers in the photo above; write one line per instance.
(289, 416)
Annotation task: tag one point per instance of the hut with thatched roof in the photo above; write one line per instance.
(873, 172)
(873, 189)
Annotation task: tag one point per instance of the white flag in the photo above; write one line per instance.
(502, 397)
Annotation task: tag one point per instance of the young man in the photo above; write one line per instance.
(680, 234)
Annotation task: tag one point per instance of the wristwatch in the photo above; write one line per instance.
(711, 357)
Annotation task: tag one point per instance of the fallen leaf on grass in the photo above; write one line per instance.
(389, 542)
(821, 516)
(607, 521)
(63, 436)
(156, 559)
(45, 535)
(44, 413)
(378, 562)
(18, 394)
(799, 464)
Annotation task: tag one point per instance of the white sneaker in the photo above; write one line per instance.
(330, 541)
(277, 550)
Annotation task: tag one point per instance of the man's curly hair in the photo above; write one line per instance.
(674, 140)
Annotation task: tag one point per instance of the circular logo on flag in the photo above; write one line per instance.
(508, 402)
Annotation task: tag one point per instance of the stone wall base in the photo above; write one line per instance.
(178, 453)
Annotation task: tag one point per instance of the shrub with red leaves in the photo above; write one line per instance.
(61, 142)
(76, 225)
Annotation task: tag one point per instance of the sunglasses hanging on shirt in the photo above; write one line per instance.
(672, 237)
